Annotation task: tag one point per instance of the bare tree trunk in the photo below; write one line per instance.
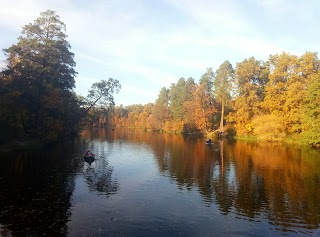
(222, 114)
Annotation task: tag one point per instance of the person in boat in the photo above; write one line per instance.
(208, 141)
(89, 153)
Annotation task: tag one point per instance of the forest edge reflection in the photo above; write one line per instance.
(280, 183)
(251, 181)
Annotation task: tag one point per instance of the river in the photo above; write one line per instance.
(150, 184)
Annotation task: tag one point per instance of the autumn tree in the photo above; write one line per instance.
(160, 110)
(250, 78)
(222, 87)
(288, 79)
(311, 112)
(145, 116)
(134, 115)
(119, 116)
(200, 106)
(180, 92)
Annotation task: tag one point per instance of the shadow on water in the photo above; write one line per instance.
(35, 194)
(36, 188)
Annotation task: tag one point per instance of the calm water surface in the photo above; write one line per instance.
(149, 184)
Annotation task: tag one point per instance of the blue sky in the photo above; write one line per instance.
(149, 44)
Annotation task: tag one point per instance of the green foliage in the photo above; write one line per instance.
(101, 93)
(223, 86)
(311, 118)
(273, 100)
(179, 93)
(250, 79)
(160, 111)
(223, 81)
(207, 80)
(38, 80)
(287, 85)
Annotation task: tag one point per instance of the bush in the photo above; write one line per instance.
(312, 136)
(231, 131)
(269, 127)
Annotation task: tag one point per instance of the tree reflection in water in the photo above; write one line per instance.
(275, 187)
(36, 188)
(250, 180)
(99, 177)
(35, 192)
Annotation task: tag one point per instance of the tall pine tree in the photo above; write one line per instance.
(222, 87)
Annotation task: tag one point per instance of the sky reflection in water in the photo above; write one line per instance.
(144, 184)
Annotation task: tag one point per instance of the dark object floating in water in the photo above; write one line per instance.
(208, 141)
(89, 159)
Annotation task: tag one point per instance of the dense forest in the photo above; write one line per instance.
(37, 97)
(275, 99)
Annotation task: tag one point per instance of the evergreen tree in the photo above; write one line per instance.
(223, 86)
(207, 81)
(40, 77)
(160, 110)
(178, 95)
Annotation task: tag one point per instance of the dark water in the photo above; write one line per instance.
(148, 184)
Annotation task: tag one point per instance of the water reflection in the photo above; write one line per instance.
(36, 188)
(34, 193)
(255, 182)
(141, 182)
(99, 177)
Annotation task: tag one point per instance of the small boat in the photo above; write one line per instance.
(89, 159)
(89, 154)
(208, 142)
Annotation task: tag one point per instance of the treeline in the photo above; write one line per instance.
(37, 97)
(273, 100)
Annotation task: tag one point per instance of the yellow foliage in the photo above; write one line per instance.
(249, 127)
(269, 127)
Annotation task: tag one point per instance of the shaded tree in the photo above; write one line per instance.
(40, 75)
